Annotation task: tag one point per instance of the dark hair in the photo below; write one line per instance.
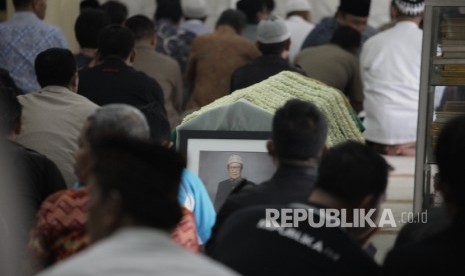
(10, 110)
(89, 4)
(21, 3)
(351, 171)
(117, 12)
(170, 10)
(450, 152)
(55, 66)
(347, 38)
(251, 7)
(115, 41)
(141, 26)
(88, 26)
(146, 176)
(273, 48)
(8, 82)
(233, 18)
(157, 119)
(299, 131)
(359, 8)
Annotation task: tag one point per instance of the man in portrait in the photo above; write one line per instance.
(235, 180)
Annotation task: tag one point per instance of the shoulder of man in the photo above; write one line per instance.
(321, 34)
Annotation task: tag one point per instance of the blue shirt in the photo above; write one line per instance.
(22, 38)
(194, 196)
(323, 32)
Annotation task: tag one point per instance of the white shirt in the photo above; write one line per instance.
(137, 251)
(390, 64)
(299, 29)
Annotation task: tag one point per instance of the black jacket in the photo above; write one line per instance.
(115, 82)
(259, 69)
(288, 185)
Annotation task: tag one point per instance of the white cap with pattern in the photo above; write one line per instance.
(411, 7)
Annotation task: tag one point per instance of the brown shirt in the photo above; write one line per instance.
(167, 73)
(212, 60)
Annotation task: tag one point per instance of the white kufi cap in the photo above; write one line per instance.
(194, 8)
(272, 30)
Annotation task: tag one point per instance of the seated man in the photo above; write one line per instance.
(53, 118)
(114, 80)
(116, 11)
(60, 230)
(299, 23)
(337, 64)
(23, 37)
(273, 41)
(298, 137)
(349, 13)
(160, 67)
(35, 176)
(129, 229)
(214, 57)
(391, 80)
(254, 10)
(352, 179)
(172, 40)
(87, 27)
(195, 15)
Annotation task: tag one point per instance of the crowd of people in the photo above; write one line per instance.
(91, 184)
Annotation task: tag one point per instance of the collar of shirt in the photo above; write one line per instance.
(286, 170)
(194, 22)
(143, 234)
(113, 62)
(406, 24)
(24, 18)
(55, 89)
(225, 30)
(143, 44)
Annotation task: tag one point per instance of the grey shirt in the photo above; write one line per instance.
(137, 251)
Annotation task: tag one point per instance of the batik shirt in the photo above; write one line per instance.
(21, 39)
(174, 42)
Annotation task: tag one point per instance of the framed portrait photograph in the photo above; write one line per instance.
(224, 159)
